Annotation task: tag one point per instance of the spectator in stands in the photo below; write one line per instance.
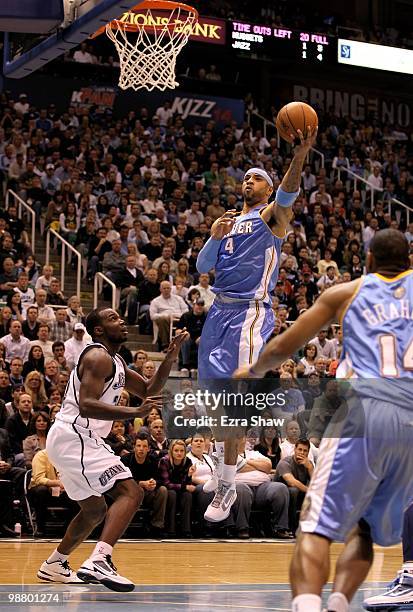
(254, 486)
(75, 345)
(328, 279)
(60, 329)
(324, 346)
(176, 471)
(148, 369)
(323, 264)
(45, 312)
(99, 246)
(158, 442)
(74, 311)
(16, 368)
(16, 345)
(308, 360)
(5, 386)
(369, 232)
(17, 426)
(194, 321)
(58, 349)
(14, 303)
(269, 446)
(8, 279)
(51, 375)
(35, 360)
(36, 440)
(326, 407)
(43, 341)
(43, 282)
(204, 468)
(120, 442)
(165, 308)
(146, 473)
(34, 386)
(55, 296)
(138, 361)
(129, 280)
(26, 293)
(45, 487)
(205, 291)
(30, 326)
(9, 472)
(295, 471)
(114, 262)
(5, 320)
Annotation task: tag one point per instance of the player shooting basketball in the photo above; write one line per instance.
(244, 250)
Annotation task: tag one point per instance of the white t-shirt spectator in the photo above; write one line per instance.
(163, 307)
(164, 115)
(83, 57)
(73, 348)
(328, 350)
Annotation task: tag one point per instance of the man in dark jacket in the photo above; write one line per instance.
(145, 472)
(194, 321)
(149, 289)
(129, 280)
(11, 481)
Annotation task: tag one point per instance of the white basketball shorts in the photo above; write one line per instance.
(86, 465)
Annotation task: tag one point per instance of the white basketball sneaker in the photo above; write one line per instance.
(220, 507)
(212, 484)
(58, 571)
(397, 596)
(103, 571)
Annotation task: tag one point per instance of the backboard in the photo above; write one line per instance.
(25, 53)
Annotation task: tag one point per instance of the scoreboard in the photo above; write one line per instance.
(282, 43)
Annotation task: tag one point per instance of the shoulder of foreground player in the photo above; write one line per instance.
(98, 360)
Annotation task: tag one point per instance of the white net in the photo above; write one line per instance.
(148, 52)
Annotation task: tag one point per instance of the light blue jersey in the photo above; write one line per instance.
(366, 471)
(378, 329)
(248, 260)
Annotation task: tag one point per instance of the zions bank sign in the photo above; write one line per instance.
(356, 105)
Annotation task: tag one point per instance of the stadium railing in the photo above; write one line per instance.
(21, 204)
(97, 289)
(65, 245)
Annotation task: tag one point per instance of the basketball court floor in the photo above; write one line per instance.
(170, 576)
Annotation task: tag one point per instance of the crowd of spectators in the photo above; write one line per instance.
(137, 196)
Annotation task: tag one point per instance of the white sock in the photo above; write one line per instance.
(308, 602)
(101, 550)
(228, 473)
(337, 602)
(57, 556)
(408, 567)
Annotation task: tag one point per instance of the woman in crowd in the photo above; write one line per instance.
(192, 297)
(69, 223)
(120, 442)
(164, 272)
(138, 361)
(269, 446)
(204, 468)
(38, 428)
(5, 320)
(14, 302)
(176, 471)
(355, 268)
(183, 272)
(308, 360)
(35, 361)
(179, 288)
(54, 409)
(32, 270)
(55, 398)
(55, 208)
(143, 425)
(34, 386)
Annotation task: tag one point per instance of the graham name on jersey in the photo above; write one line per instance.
(388, 312)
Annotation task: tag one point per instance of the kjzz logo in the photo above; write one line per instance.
(345, 51)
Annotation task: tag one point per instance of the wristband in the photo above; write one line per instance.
(286, 198)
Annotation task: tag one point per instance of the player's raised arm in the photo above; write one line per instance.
(95, 370)
(207, 257)
(326, 309)
(278, 214)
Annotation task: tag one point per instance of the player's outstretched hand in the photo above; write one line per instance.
(173, 349)
(156, 401)
(244, 372)
(223, 225)
(306, 141)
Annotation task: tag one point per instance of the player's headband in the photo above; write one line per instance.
(262, 173)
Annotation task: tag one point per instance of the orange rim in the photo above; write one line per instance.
(160, 5)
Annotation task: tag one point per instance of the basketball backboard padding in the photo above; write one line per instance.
(32, 16)
(92, 15)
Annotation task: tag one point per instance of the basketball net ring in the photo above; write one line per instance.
(148, 39)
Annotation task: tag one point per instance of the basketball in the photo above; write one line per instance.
(295, 116)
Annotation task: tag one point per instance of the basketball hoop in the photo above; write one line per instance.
(148, 39)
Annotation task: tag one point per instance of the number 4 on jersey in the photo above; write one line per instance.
(229, 246)
(388, 349)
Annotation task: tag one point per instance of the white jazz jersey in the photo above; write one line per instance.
(86, 465)
(69, 411)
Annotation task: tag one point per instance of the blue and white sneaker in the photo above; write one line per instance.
(398, 595)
